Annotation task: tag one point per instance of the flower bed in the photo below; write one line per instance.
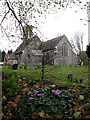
(45, 100)
(24, 98)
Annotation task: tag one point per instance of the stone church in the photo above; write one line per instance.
(57, 51)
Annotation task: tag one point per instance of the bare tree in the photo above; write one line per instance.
(77, 42)
(20, 13)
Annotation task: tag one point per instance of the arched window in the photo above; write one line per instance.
(64, 49)
(28, 56)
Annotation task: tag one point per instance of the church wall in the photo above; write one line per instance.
(27, 57)
(64, 60)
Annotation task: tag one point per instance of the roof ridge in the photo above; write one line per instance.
(50, 44)
(24, 44)
(53, 39)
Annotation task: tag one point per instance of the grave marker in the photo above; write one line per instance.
(70, 77)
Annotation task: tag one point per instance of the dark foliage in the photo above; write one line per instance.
(88, 50)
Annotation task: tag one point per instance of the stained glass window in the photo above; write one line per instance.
(64, 49)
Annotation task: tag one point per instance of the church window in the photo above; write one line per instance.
(28, 56)
(64, 49)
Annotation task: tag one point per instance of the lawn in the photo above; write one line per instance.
(25, 96)
(55, 73)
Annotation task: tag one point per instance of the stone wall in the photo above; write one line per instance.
(64, 60)
(27, 57)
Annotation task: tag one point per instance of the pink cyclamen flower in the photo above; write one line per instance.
(57, 93)
(45, 85)
(81, 78)
(38, 94)
(41, 94)
(57, 90)
(31, 95)
(30, 98)
(35, 90)
(34, 94)
(53, 91)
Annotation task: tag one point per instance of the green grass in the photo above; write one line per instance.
(58, 74)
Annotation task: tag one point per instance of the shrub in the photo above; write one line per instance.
(10, 83)
(49, 101)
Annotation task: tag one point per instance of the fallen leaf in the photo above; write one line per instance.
(12, 103)
(76, 114)
(81, 97)
(42, 114)
(59, 116)
(76, 107)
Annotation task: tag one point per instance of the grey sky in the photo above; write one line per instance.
(62, 22)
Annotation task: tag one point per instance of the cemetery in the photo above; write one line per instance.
(44, 70)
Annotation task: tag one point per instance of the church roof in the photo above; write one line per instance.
(37, 52)
(24, 44)
(50, 44)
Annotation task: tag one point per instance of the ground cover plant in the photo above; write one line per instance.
(26, 96)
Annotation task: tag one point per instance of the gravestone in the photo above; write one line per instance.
(20, 67)
(31, 66)
(70, 77)
(15, 66)
(25, 67)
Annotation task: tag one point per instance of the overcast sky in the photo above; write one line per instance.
(66, 22)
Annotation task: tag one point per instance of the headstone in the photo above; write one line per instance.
(25, 67)
(15, 66)
(81, 63)
(31, 66)
(20, 67)
(70, 77)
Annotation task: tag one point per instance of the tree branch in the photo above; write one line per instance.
(20, 23)
(5, 32)
(13, 12)
(4, 17)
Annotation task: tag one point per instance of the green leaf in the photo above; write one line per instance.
(81, 97)
(26, 3)
(25, 8)
(76, 114)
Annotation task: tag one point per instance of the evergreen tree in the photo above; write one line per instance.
(10, 51)
(3, 55)
(88, 50)
(0, 56)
